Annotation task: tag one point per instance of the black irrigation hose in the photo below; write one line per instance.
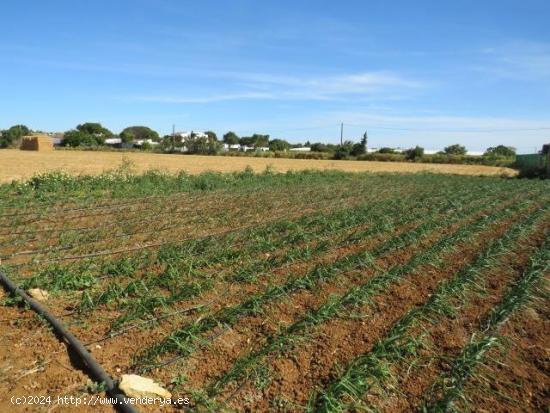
(97, 372)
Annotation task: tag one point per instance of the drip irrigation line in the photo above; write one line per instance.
(143, 323)
(96, 371)
(302, 212)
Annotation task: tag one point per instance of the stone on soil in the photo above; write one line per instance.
(136, 386)
(38, 294)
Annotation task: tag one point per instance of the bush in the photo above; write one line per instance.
(455, 150)
(500, 151)
(414, 154)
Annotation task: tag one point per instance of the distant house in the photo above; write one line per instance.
(139, 143)
(185, 136)
(304, 149)
(262, 149)
(231, 148)
(474, 153)
(113, 141)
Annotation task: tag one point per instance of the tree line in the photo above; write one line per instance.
(90, 134)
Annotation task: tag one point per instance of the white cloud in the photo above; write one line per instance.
(265, 86)
(520, 60)
(204, 99)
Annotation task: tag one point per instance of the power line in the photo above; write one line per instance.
(452, 130)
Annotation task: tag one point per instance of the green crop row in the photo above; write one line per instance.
(183, 340)
(373, 367)
(358, 296)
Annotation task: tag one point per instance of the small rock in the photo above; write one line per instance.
(136, 386)
(38, 294)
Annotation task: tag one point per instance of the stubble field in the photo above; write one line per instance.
(296, 292)
(17, 165)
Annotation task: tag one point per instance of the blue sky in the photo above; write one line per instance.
(424, 72)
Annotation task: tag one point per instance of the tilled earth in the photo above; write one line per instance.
(263, 300)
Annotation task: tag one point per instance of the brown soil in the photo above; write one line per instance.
(339, 340)
(291, 376)
(33, 362)
(515, 377)
(448, 337)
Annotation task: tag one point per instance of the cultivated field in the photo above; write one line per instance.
(17, 165)
(297, 292)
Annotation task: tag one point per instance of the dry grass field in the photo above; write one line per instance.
(17, 165)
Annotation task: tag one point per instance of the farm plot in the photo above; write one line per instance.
(311, 291)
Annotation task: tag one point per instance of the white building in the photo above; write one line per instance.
(140, 142)
(185, 136)
(113, 141)
(304, 149)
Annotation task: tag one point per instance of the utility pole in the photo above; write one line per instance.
(342, 133)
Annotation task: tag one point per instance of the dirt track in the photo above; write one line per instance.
(16, 164)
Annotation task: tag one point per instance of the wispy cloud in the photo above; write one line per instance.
(443, 122)
(205, 99)
(519, 60)
(266, 86)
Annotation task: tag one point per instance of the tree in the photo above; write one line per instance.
(231, 138)
(246, 141)
(12, 135)
(343, 151)
(211, 135)
(260, 140)
(501, 151)
(203, 146)
(79, 138)
(386, 150)
(139, 133)
(279, 145)
(127, 136)
(455, 149)
(361, 147)
(322, 147)
(415, 153)
(95, 129)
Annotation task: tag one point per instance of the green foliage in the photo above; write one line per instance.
(414, 154)
(386, 150)
(211, 135)
(75, 138)
(94, 129)
(231, 138)
(279, 145)
(132, 133)
(203, 146)
(256, 140)
(500, 151)
(127, 136)
(343, 151)
(455, 149)
(322, 147)
(11, 136)
(358, 149)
